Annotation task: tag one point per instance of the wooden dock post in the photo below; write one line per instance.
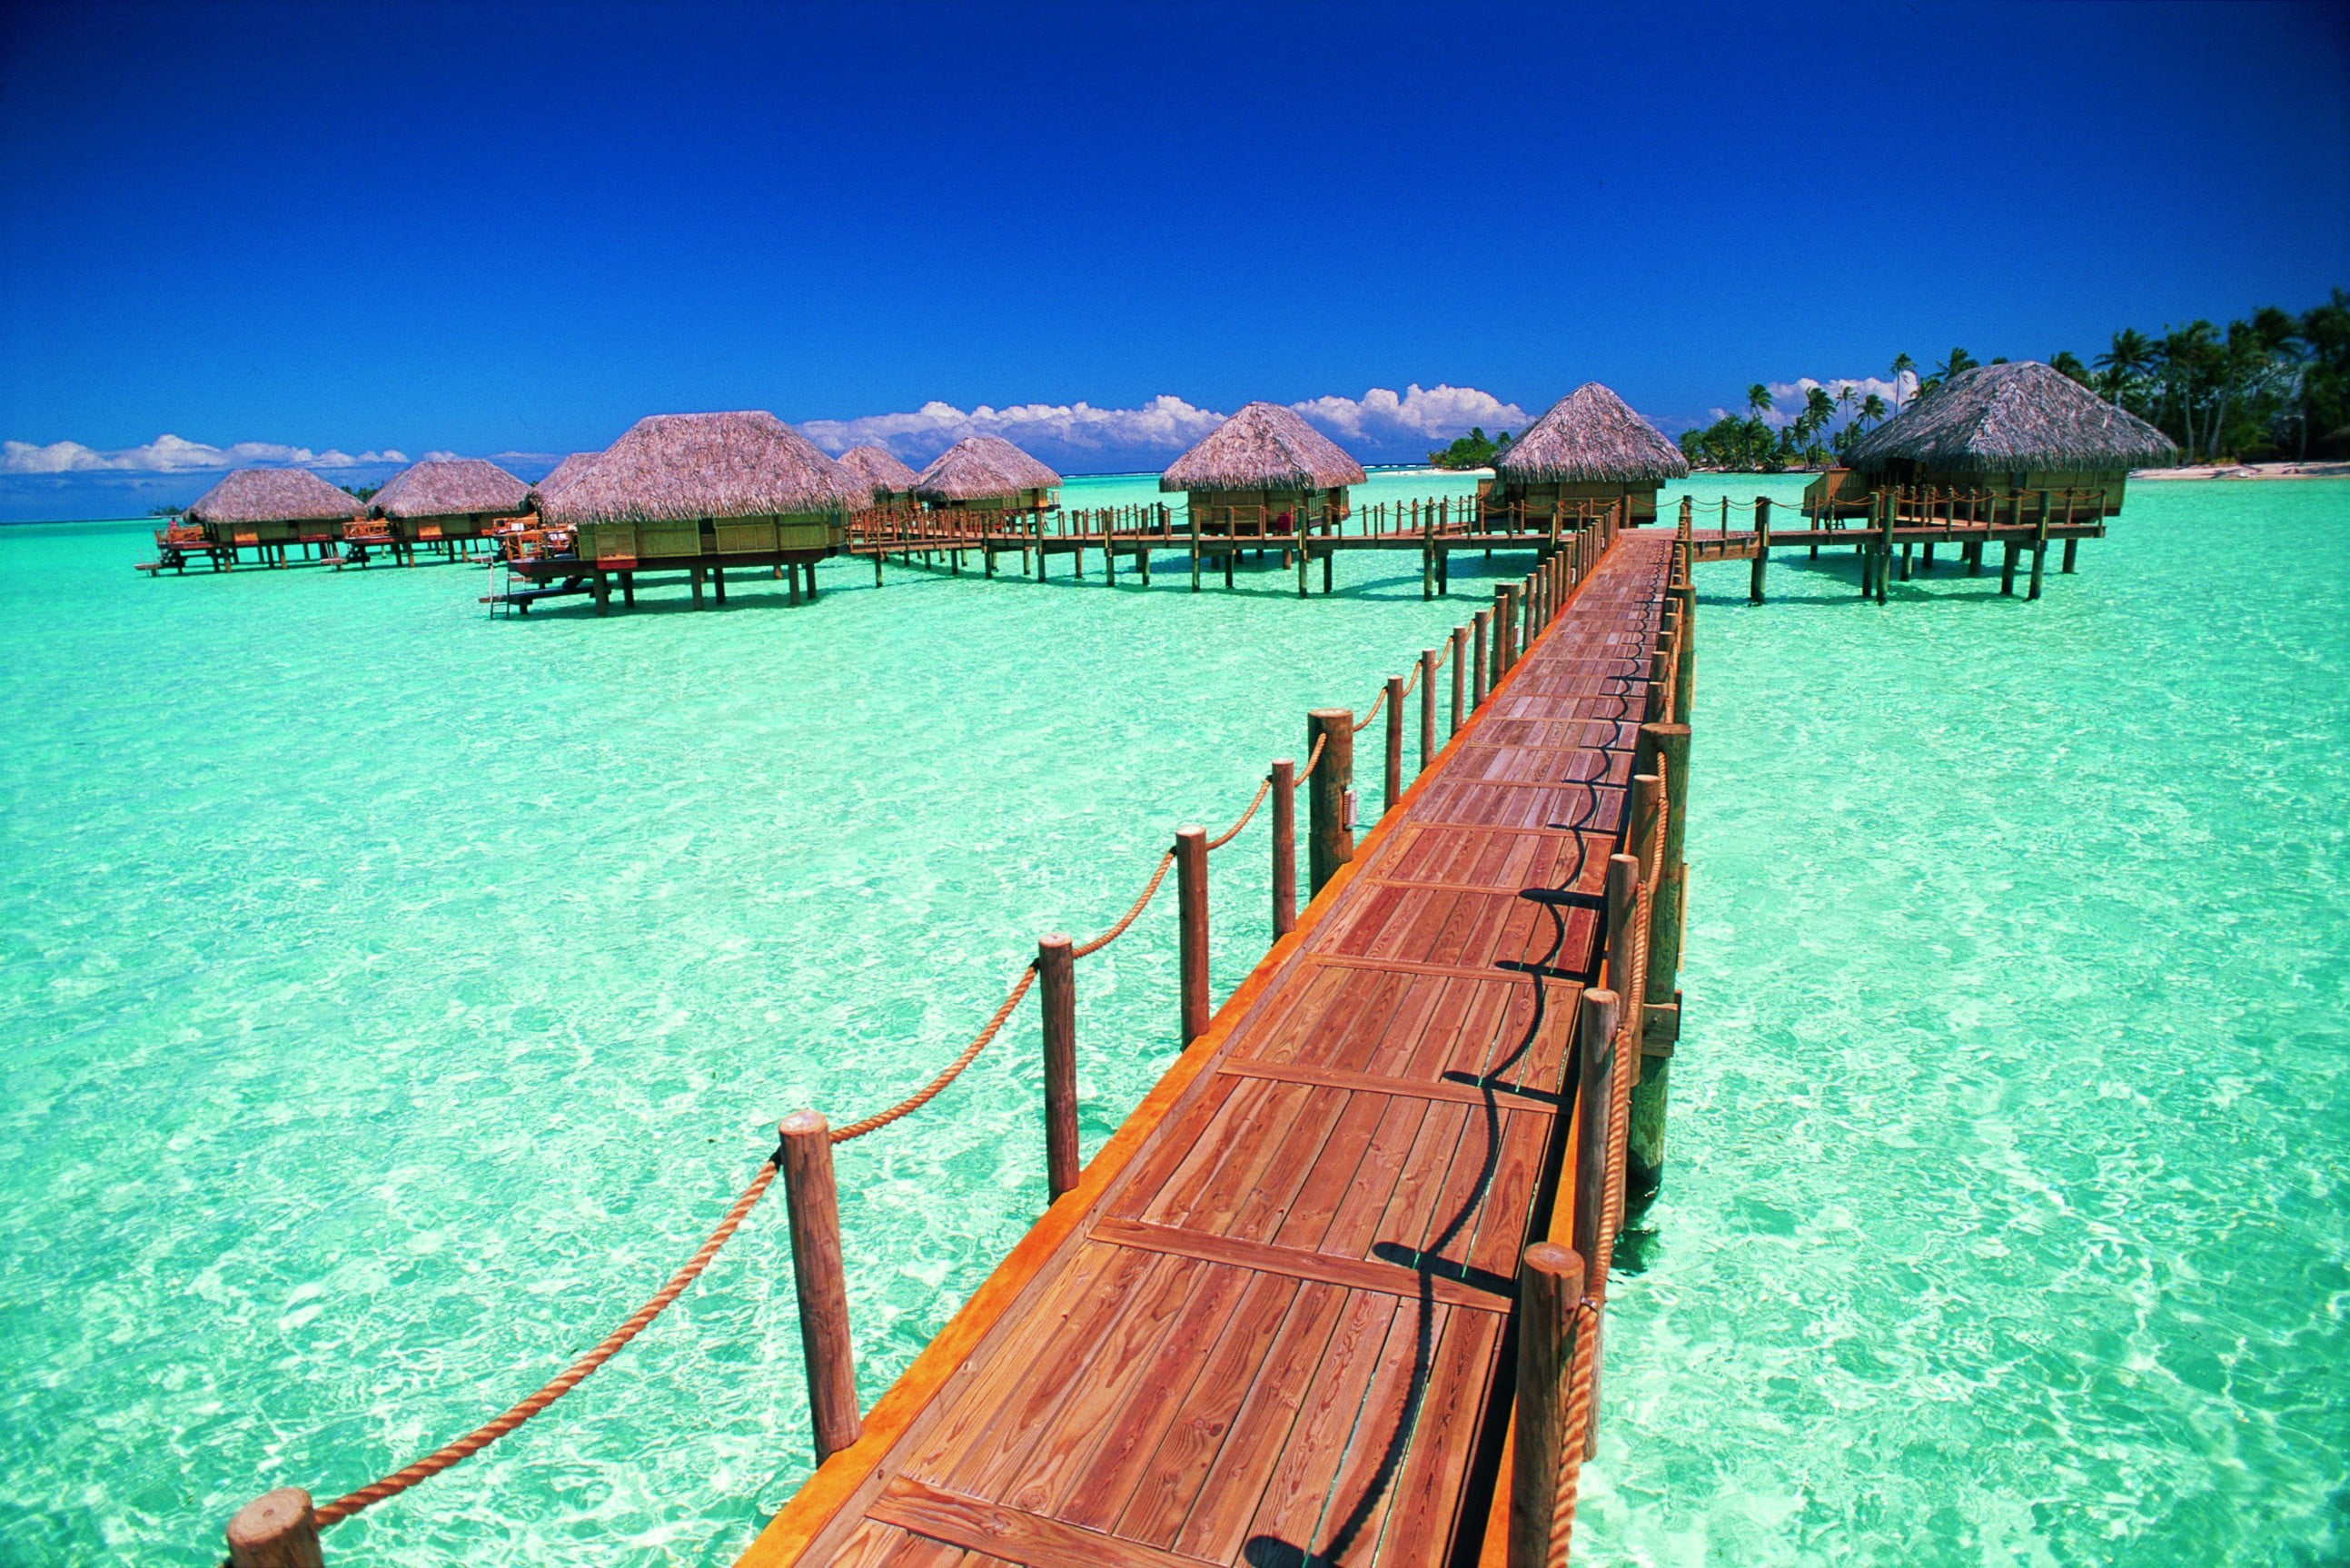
(276, 1530)
(813, 1199)
(1622, 900)
(1460, 676)
(1195, 555)
(1550, 1298)
(1884, 543)
(1427, 708)
(1285, 847)
(1191, 927)
(1427, 559)
(2009, 549)
(1056, 985)
(1762, 549)
(1501, 648)
(1479, 666)
(1392, 790)
(1330, 838)
(1601, 1014)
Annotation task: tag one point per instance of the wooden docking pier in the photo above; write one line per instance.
(1277, 1318)
(1332, 1292)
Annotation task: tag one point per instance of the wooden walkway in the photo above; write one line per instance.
(1268, 1326)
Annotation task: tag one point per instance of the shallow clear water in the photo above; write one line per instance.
(2008, 1215)
(391, 996)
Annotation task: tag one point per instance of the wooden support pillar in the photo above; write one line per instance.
(1057, 987)
(718, 584)
(1550, 1301)
(1884, 543)
(694, 575)
(1481, 665)
(1191, 927)
(2009, 550)
(1427, 708)
(1392, 789)
(1501, 648)
(1905, 560)
(629, 589)
(2039, 548)
(1925, 559)
(1459, 675)
(1330, 836)
(811, 582)
(1285, 847)
(794, 596)
(603, 593)
(276, 1530)
(1762, 549)
(1623, 903)
(813, 1200)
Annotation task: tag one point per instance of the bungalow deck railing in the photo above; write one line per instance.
(281, 1529)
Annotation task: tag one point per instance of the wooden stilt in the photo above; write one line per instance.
(1762, 549)
(1427, 706)
(1393, 785)
(1550, 1301)
(694, 575)
(1191, 928)
(1459, 675)
(1481, 665)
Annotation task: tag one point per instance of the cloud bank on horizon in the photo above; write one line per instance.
(172, 454)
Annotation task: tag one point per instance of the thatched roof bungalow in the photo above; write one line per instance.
(273, 506)
(987, 474)
(681, 487)
(1261, 462)
(891, 481)
(456, 498)
(1590, 447)
(2002, 430)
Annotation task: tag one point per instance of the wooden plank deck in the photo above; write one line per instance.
(1269, 1325)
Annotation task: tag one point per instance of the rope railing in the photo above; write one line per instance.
(285, 1524)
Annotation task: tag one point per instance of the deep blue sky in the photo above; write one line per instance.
(521, 227)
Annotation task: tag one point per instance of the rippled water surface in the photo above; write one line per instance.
(391, 996)
(2009, 1213)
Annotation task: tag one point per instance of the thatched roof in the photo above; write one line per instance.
(454, 488)
(2002, 419)
(274, 495)
(678, 467)
(878, 467)
(561, 475)
(980, 468)
(1263, 447)
(1591, 436)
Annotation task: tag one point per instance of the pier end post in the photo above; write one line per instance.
(1192, 937)
(813, 1199)
(1056, 982)
(1392, 789)
(1550, 1295)
(1762, 549)
(276, 1530)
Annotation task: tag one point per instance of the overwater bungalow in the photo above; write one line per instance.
(1261, 464)
(269, 508)
(1590, 447)
(447, 501)
(987, 474)
(892, 482)
(1999, 431)
(693, 489)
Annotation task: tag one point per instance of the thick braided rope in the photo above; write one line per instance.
(1376, 702)
(1149, 892)
(929, 1091)
(1235, 830)
(1320, 741)
(489, 1432)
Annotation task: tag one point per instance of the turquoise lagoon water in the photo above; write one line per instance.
(390, 997)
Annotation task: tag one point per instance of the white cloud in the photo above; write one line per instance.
(172, 454)
(1164, 422)
(1167, 424)
(1436, 413)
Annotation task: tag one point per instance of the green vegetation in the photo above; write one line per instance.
(2274, 385)
(364, 492)
(1472, 451)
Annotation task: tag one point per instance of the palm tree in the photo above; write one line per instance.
(1960, 360)
(2130, 357)
(1843, 400)
(1872, 406)
(2066, 363)
(1758, 399)
(1902, 366)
